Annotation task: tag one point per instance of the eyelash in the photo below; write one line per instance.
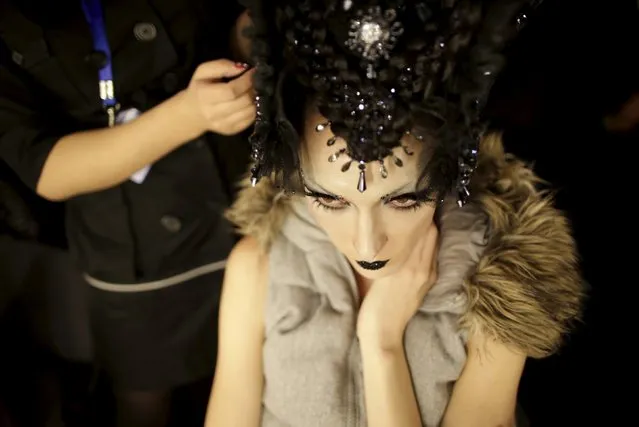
(419, 203)
(319, 203)
(414, 207)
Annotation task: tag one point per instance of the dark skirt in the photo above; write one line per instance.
(160, 339)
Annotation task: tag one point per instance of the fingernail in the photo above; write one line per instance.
(241, 65)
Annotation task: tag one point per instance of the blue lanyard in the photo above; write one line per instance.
(95, 18)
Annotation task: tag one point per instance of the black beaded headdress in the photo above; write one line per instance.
(378, 70)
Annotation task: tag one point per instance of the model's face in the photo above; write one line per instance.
(375, 229)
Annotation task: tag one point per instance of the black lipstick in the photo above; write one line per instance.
(375, 265)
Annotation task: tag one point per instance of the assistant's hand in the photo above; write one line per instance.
(392, 301)
(220, 98)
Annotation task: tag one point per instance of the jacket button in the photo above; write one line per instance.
(17, 57)
(145, 31)
(171, 223)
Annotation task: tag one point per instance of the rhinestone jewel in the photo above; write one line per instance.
(462, 196)
(371, 32)
(254, 176)
(361, 182)
(382, 169)
(333, 157)
(321, 127)
(407, 150)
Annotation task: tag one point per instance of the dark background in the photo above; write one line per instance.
(574, 63)
(571, 68)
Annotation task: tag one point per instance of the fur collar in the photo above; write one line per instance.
(526, 289)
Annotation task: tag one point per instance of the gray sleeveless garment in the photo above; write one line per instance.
(312, 362)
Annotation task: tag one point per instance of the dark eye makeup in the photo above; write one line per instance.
(402, 202)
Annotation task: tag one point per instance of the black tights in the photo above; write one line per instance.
(184, 406)
(143, 408)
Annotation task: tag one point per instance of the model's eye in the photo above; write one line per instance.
(326, 201)
(404, 202)
(330, 203)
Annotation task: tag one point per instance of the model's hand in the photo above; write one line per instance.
(392, 301)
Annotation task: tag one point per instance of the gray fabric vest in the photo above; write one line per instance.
(312, 361)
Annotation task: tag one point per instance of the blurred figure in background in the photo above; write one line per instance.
(132, 112)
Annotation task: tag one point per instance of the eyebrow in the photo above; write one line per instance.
(317, 190)
(403, 191)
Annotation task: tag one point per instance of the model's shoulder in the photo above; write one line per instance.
(247, 258)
